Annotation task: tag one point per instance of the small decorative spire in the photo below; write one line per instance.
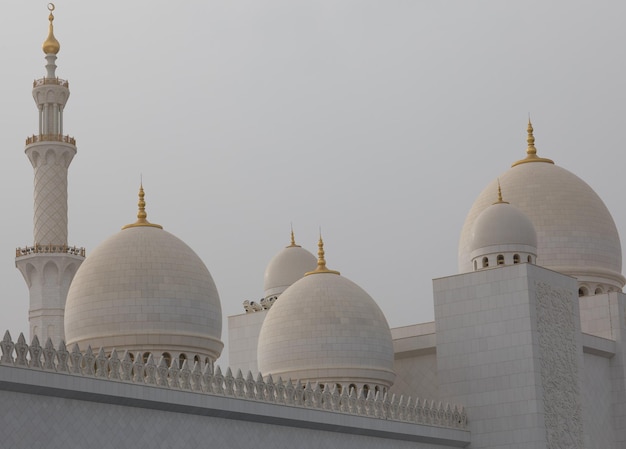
(51, 44)
(531, 151)
(293, 240)
(500, 200)
(321, 262)
(531, 139)
(141, 214)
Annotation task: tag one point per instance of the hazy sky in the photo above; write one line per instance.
(380, 121)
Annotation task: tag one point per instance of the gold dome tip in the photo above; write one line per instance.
(500, 200)
(141, 214)
(293, 240)
(51, 44)
(531, 151)
(321, 262)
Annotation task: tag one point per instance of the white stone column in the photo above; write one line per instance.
(49, 265)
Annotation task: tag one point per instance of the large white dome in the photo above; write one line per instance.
(144, 289)
(325, 328)
(576, 234)
(287, 267)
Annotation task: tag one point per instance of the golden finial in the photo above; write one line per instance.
(293, 240)
(531, 151)
(500, 200)
(141, 214)
(321, 262)
(51, 44)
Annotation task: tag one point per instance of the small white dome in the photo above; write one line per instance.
(502, 224)
(143, 289)
(325, 328)
(287, 267)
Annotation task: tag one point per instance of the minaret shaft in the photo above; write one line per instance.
(49, 265)
(50, 191)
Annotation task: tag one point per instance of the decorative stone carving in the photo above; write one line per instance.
(230, 382)
(335, 399)
(218, 381)
(207, 378)
(378, 405)
(344, 401)
(368, 403)
(35, 351)
(138, 369)
(260, 387)
(76, 359)
(352, 402)
(290, 393)
(196, 377)
(298, 394)
(270, 389)
(280, 391)
(308, 395)
(89, 361)
(7, 346)
(185, 376)
(327, 397)
(114, 366)
(21, 350)
(101, 364)
(127, 367)
(49, 354)
(559, 367)
(239, 386)
(202, 379)
(173, 374)
(63, 357)
(150, 371)
(162, 372)
(250, 393)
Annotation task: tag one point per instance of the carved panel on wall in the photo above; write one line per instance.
(559, 367)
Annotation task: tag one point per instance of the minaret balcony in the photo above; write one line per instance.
(56, 81)
(50, 138)
(49, 249)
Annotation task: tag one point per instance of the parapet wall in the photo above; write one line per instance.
(208, 380)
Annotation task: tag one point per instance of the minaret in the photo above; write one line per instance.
(49, 265)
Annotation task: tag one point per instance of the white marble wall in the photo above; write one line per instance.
(53, 410)
(243, 338)
(415, 361)
(490, 348)
(597, 399)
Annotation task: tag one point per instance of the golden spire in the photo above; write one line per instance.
(531, 151)
(141, 215)
(321, 262)
(500, 200)
(293, 240)
(51, 44)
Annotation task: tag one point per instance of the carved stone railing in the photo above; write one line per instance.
(49, 249)
(50, 138)
(57, 81)
(203, 378)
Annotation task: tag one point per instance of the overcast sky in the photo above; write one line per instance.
(380, 121)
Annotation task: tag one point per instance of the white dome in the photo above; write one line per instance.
(502, 224)
(144, 289)
(325, 328)
(285, 268)
(576, 234)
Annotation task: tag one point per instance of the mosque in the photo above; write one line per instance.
(527, 349)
